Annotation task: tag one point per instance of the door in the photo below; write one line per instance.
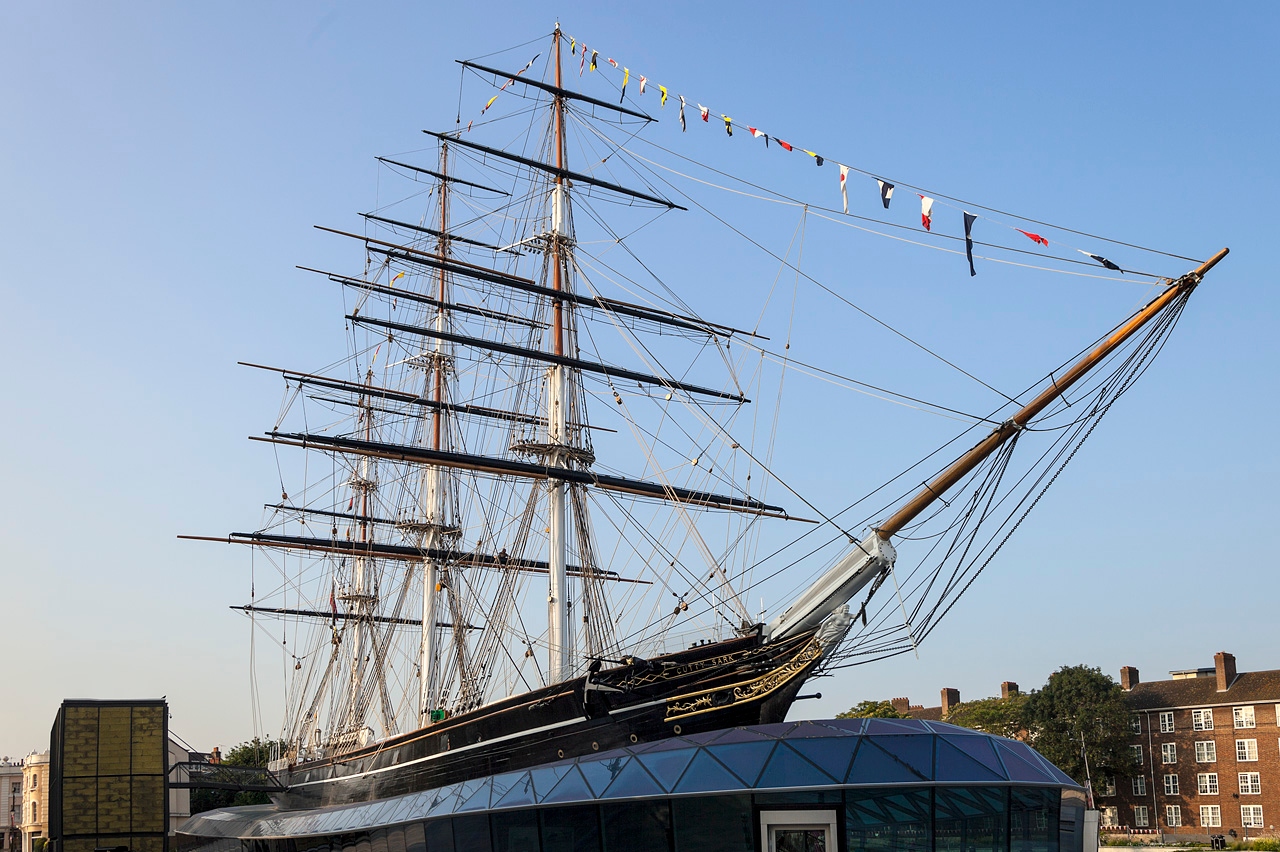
(798, 831)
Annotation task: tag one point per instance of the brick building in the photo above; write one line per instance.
(1208, 745)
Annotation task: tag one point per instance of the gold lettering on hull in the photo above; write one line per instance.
(694, 703)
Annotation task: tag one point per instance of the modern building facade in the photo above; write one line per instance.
(35, 800)
(1207, 744)
(854, 785)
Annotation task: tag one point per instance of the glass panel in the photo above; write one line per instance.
(519, 791)
(800, 840)
(600, 773)
(571, 829)
(440, 835)
(954, 765)
(545, 778)
(793, 797)
(979, 747)
(633, 781)
(872, 765)
(471, 833)
(745, 759)
(515, 831)
(808, 728)
(706, 774)
(415, 839)
(395, 839)
(970, 819)
(788, 769)
(475, 795)
(572, 788)
(713, 824)
(884, 821)
(877, 727)
(832, 755)
(637, 826)
(741, 735)
(1033, 819)
(1020, 766)
(378, 840)
(667, 766)
(915, 751)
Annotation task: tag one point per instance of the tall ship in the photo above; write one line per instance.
(523, 516)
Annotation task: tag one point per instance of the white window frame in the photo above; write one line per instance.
(1251, 816)
(1244, 717)
(1250, 783)
(1207, 783)
(1173, 815)
(1140, 816)
(1139, 785)
(1206, 751)
(1110, 817)
(1202, 720)
(1211, 816)
(823, 820)
(1136, 752)
(1171, 785)
(1247, 751)
(1166, 722)
(1168, 752)
(1135, 724)
(1107, 786)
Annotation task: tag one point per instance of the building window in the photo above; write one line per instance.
(1251, 783)
(1107, 786)
(1207, 783)
(1111, 817)
(1202, 720)
(1166, 723)
(1206, 751)
(1135, 723)
(1173, 815)
(1244, 717)
(35, 811)
(1140, 785)
(1171, 785)
(1140, 816)
(1211, 816)
(1246, 750)
(1169, 753)
(1251, 816)
(1136, 751)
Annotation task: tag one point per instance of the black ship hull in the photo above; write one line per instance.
(718, 685)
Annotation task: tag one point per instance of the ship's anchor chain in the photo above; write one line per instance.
(880, 578)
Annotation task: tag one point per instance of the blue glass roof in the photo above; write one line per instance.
(785, 756)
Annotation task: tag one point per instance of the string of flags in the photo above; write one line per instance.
(589, 60)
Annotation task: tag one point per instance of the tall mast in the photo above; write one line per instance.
(559, 656)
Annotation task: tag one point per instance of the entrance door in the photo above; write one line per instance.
(798, 831)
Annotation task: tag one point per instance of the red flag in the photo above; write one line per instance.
(844, 186)
(926, 212)
(786, 146)
(333, 603)
(706, 112)
(1035, 238)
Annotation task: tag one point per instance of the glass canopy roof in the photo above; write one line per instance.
(785, 756)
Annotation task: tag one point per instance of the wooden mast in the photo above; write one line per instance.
(970, 460)
(559, 655)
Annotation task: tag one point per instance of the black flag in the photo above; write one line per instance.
(886, 192)
(1108, 264)
(968, 241)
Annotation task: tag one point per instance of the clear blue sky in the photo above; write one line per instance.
(161, 166)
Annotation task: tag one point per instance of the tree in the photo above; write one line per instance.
(1004, 717)
(872, 710)
(255, 753)
(1081, 711)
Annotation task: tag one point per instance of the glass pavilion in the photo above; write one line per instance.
(855, 785)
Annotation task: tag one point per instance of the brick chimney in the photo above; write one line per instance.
(1128, 678)
(1226, 665)
(902, 705)
(1008, 688)
(950, 698)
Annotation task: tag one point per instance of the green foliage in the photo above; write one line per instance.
(1004, 717)
(872, 710)
(1265, 844)
(1081, 706)
(38, 844)
(255, 752)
